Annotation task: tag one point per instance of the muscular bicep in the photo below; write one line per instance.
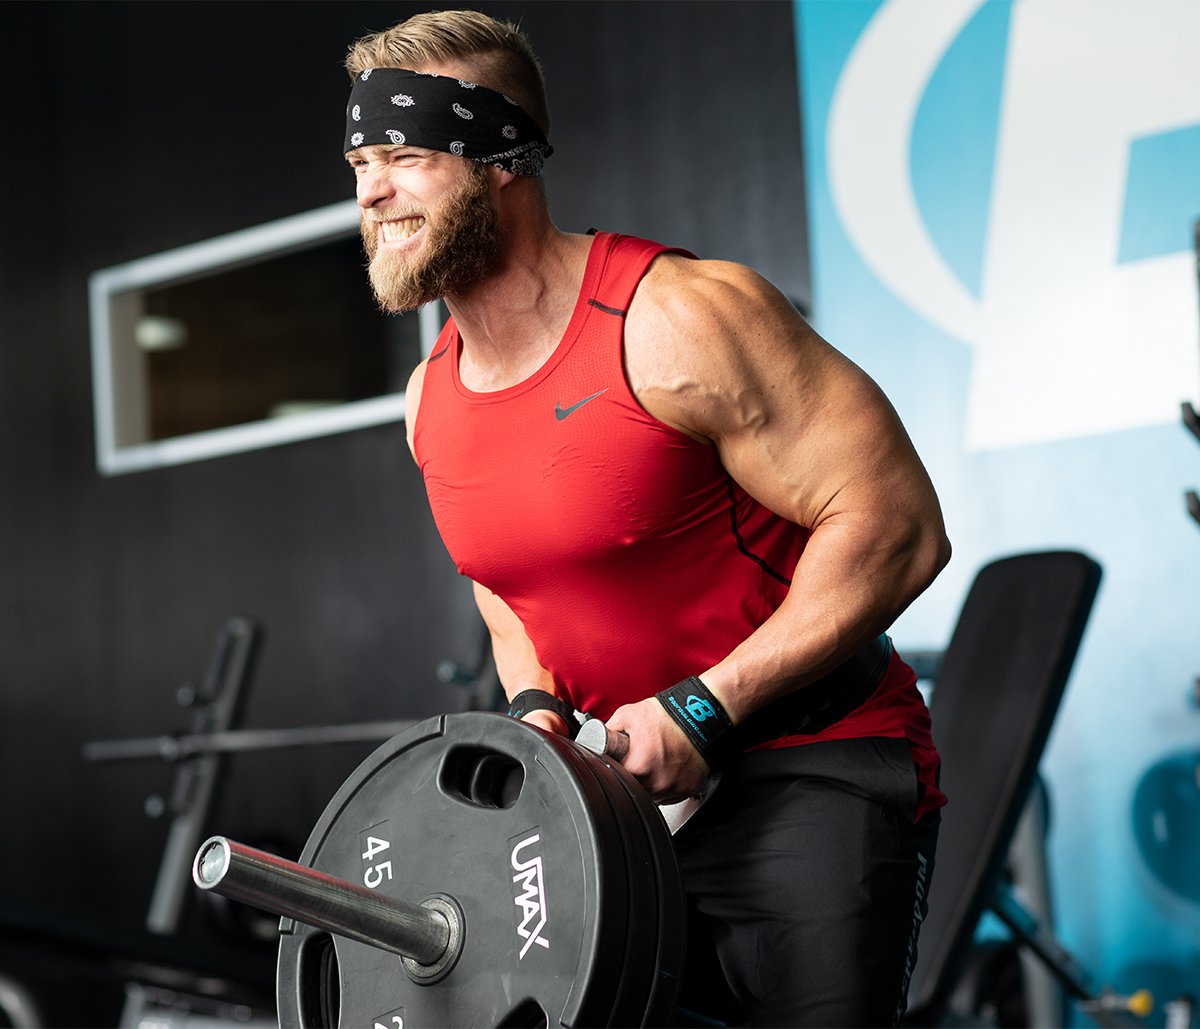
(722, 355)
(822, 442)
(516, 659)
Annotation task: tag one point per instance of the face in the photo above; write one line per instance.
(428, 224)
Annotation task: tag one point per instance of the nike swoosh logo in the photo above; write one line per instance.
(561, 412)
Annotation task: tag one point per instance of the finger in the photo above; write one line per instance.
(547, 720)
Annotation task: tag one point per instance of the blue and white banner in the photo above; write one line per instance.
(1002, 199)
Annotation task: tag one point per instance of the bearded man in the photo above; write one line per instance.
(682, 511)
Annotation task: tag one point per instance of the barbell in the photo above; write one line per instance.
(473, 870)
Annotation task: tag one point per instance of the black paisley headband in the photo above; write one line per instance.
(392, 105)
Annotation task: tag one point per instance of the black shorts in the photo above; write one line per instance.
(806, 882)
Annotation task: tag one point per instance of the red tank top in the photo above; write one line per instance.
(630, 555)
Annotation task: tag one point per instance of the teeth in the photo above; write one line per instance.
(401, 229)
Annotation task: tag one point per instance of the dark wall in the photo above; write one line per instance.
(130, 128)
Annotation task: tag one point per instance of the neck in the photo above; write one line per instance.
(511, 322)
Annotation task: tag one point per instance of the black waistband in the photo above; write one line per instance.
(820, 704)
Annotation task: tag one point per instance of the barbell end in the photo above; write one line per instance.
(211, 863)
(597, 737)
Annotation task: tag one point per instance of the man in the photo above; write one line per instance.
(682, 511)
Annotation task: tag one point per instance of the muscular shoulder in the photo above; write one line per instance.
(702, 339)
(678, 286)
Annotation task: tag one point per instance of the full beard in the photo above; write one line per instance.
(463, 244)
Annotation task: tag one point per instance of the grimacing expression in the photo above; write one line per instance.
(462, 243)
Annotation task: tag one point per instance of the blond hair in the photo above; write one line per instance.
(498, 52)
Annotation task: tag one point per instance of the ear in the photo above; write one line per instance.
(499, 178)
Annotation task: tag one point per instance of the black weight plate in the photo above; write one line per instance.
(497, 815)
(639, 961)
(671, 938)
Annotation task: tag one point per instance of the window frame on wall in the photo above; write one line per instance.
(119, 379)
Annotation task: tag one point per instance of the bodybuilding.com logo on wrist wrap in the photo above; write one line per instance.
(699, 708)
(694, 711)
(532, 899)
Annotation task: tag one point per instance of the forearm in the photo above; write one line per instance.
(516, 659)
(517, 664)
(852, 581)
(517, 675)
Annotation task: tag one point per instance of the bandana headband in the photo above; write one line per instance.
(395, 106)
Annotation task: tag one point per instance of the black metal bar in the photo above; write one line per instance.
(1026, 928)
(236, 741)
(195, 782)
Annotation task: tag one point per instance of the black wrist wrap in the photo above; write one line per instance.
(700, 715)
(540, 700)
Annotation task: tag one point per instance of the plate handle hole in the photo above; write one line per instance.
(481, 776)
(319, 983)
(528, 1014)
